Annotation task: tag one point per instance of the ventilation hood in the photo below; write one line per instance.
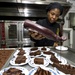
(21, 9)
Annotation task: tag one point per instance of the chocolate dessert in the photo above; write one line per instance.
(34, 48)
(13, 71)
(21, 52)
(43, 49)
(54, 59)
(67, 69)
(48, 53)
(20, 59)
(38, 60)
(35, 53)
(41, 71)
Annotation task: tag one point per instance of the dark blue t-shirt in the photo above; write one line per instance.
(51, 26)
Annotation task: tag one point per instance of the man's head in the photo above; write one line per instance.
(54, 10)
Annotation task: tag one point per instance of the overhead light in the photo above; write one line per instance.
(40, 2)
(26, 1)
(26, 11)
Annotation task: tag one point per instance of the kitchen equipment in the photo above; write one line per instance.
(16, 35)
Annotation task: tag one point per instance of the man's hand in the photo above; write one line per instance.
(55, 44)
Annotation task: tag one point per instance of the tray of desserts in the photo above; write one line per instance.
(20, 60)
(13, 70)
(38, 61)
(42, 71)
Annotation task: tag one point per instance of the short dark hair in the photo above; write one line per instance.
(53, 6)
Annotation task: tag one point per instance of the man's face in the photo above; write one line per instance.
(53, 15)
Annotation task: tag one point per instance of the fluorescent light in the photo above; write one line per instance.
(26, 11)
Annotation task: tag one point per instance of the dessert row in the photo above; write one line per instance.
(41, 59)
(66, 69)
